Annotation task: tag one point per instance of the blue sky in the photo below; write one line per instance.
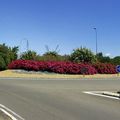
(67, 23)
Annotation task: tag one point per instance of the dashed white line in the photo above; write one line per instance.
(97, 93)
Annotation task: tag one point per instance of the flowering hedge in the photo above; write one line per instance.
(62, 67)
(53, 66)
(105, 68)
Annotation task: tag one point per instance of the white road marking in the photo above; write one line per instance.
(97, 93)
(8, 114)
(12, 112)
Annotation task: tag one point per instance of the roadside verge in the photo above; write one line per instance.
(13, 74)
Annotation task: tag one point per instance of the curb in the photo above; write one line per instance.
(20, 74)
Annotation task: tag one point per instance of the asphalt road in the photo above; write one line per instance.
(60, 99)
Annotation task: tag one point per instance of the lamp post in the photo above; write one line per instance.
(27, 43)
(96, 40)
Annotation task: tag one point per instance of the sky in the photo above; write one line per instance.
(67, 23)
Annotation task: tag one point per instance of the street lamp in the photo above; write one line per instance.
(27, 46)
(27, 43)
(96, 40)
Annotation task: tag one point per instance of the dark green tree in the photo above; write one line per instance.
(82, 55)
(103, 59)
(2, 63)
(13, 53)
(7, 54)
(29, 55)
(51, 55)
(116, 60)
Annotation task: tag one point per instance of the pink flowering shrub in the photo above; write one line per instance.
(105, 68)
(62, 67)
(24, 64)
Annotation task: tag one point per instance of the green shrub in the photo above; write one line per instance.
(116, 60)
(2, 63)
(7, 55)
(83, 55)
(29, 55)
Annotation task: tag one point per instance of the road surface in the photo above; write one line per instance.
(60, 99)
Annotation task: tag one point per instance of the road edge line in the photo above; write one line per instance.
(8, 114)
(9, 110)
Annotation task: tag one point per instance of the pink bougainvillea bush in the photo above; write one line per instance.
(24, 64)
(63, 67)
(53, 66)
(70, 68)
(105, 68)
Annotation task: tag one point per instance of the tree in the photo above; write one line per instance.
(51, 55)
(103, 59)
(7, 54)
(99, 56)
(29, 55)
(2, 63)
(116, 60)
(13, 53)
(82, 55)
